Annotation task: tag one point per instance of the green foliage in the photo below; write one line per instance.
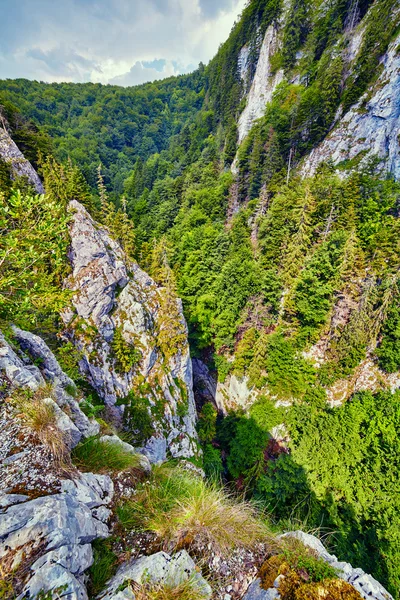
(137, 418)
(127, 355)
(246, 447)
(388, 351)
(95, 456)
(33, 256)
(206, 425)
(68, 357)
(104, 566)
(212, 462)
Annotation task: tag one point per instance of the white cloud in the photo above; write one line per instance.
(110, 40)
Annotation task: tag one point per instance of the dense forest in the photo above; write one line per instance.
(274, 269)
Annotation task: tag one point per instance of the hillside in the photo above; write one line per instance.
(263, 190)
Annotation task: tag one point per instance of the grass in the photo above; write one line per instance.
(186, 590)
(95, 456)
(41, 418)
(184, 511)
(103, 568)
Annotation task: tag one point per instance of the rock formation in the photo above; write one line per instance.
(19, 165)
(370, 128)
(116, 300)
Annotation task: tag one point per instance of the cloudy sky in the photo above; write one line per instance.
(110, 41)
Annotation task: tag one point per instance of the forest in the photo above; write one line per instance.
(266, 262)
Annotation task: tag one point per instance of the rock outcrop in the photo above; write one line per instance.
(50, 536)
(18, 371)
(370, 128)
(19, 165)
(263, 85)
(158, 568)
(115, 300)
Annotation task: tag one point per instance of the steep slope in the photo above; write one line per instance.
(133, 339)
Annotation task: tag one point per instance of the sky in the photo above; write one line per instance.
(124, 42)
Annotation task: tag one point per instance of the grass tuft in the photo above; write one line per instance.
(185, 590)
(95, 456)
(104, 565)
(184, 511)
(41, 418)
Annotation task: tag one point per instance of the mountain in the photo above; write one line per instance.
(262, 190)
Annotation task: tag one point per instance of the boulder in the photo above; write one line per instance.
(157, 568)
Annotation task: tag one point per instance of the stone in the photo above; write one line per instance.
(204, 384)
(17, 373)
(10, 499)
(72, 434)
(54, 578)
(75, 559)
(90, 489)
(113, 292)
(51, 521)
(157, 568)
(255, 592)
(50, 372)
(20, 166)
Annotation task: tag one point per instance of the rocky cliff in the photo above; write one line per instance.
(19, 165)
(369, 130)
(117, 320)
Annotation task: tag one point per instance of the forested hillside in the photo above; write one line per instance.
(289, 275)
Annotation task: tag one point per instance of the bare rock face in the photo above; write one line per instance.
(263, 85)
(20, 166)
(116, 303)
(370, 128)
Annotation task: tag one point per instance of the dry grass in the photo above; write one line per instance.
(40, 417)
(186, 590)
(185, 511)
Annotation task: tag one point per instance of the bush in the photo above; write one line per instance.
(212, 462)
(206, 425)
(185, 511)
(95, 456)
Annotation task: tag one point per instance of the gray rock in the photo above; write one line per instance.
(10, 499)
(57, 579)
(90, 489)
(18, 374)
(52, 521)
(113, 292)
(72, 434)
(50, 372)
(204, 384)
(157, 568)
(255, 592)
(20, 166)
(75, 559)
(370, 130)
(155, 449)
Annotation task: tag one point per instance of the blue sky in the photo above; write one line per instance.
(110, 41)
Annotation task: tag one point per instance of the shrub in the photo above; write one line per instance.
(212, 462)
(206, 425)
(137, 418)
(93, 455)
(185, 511)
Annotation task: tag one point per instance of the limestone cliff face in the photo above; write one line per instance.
(370, 128)
(264, 82)
(19, 165)
(116, 302)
